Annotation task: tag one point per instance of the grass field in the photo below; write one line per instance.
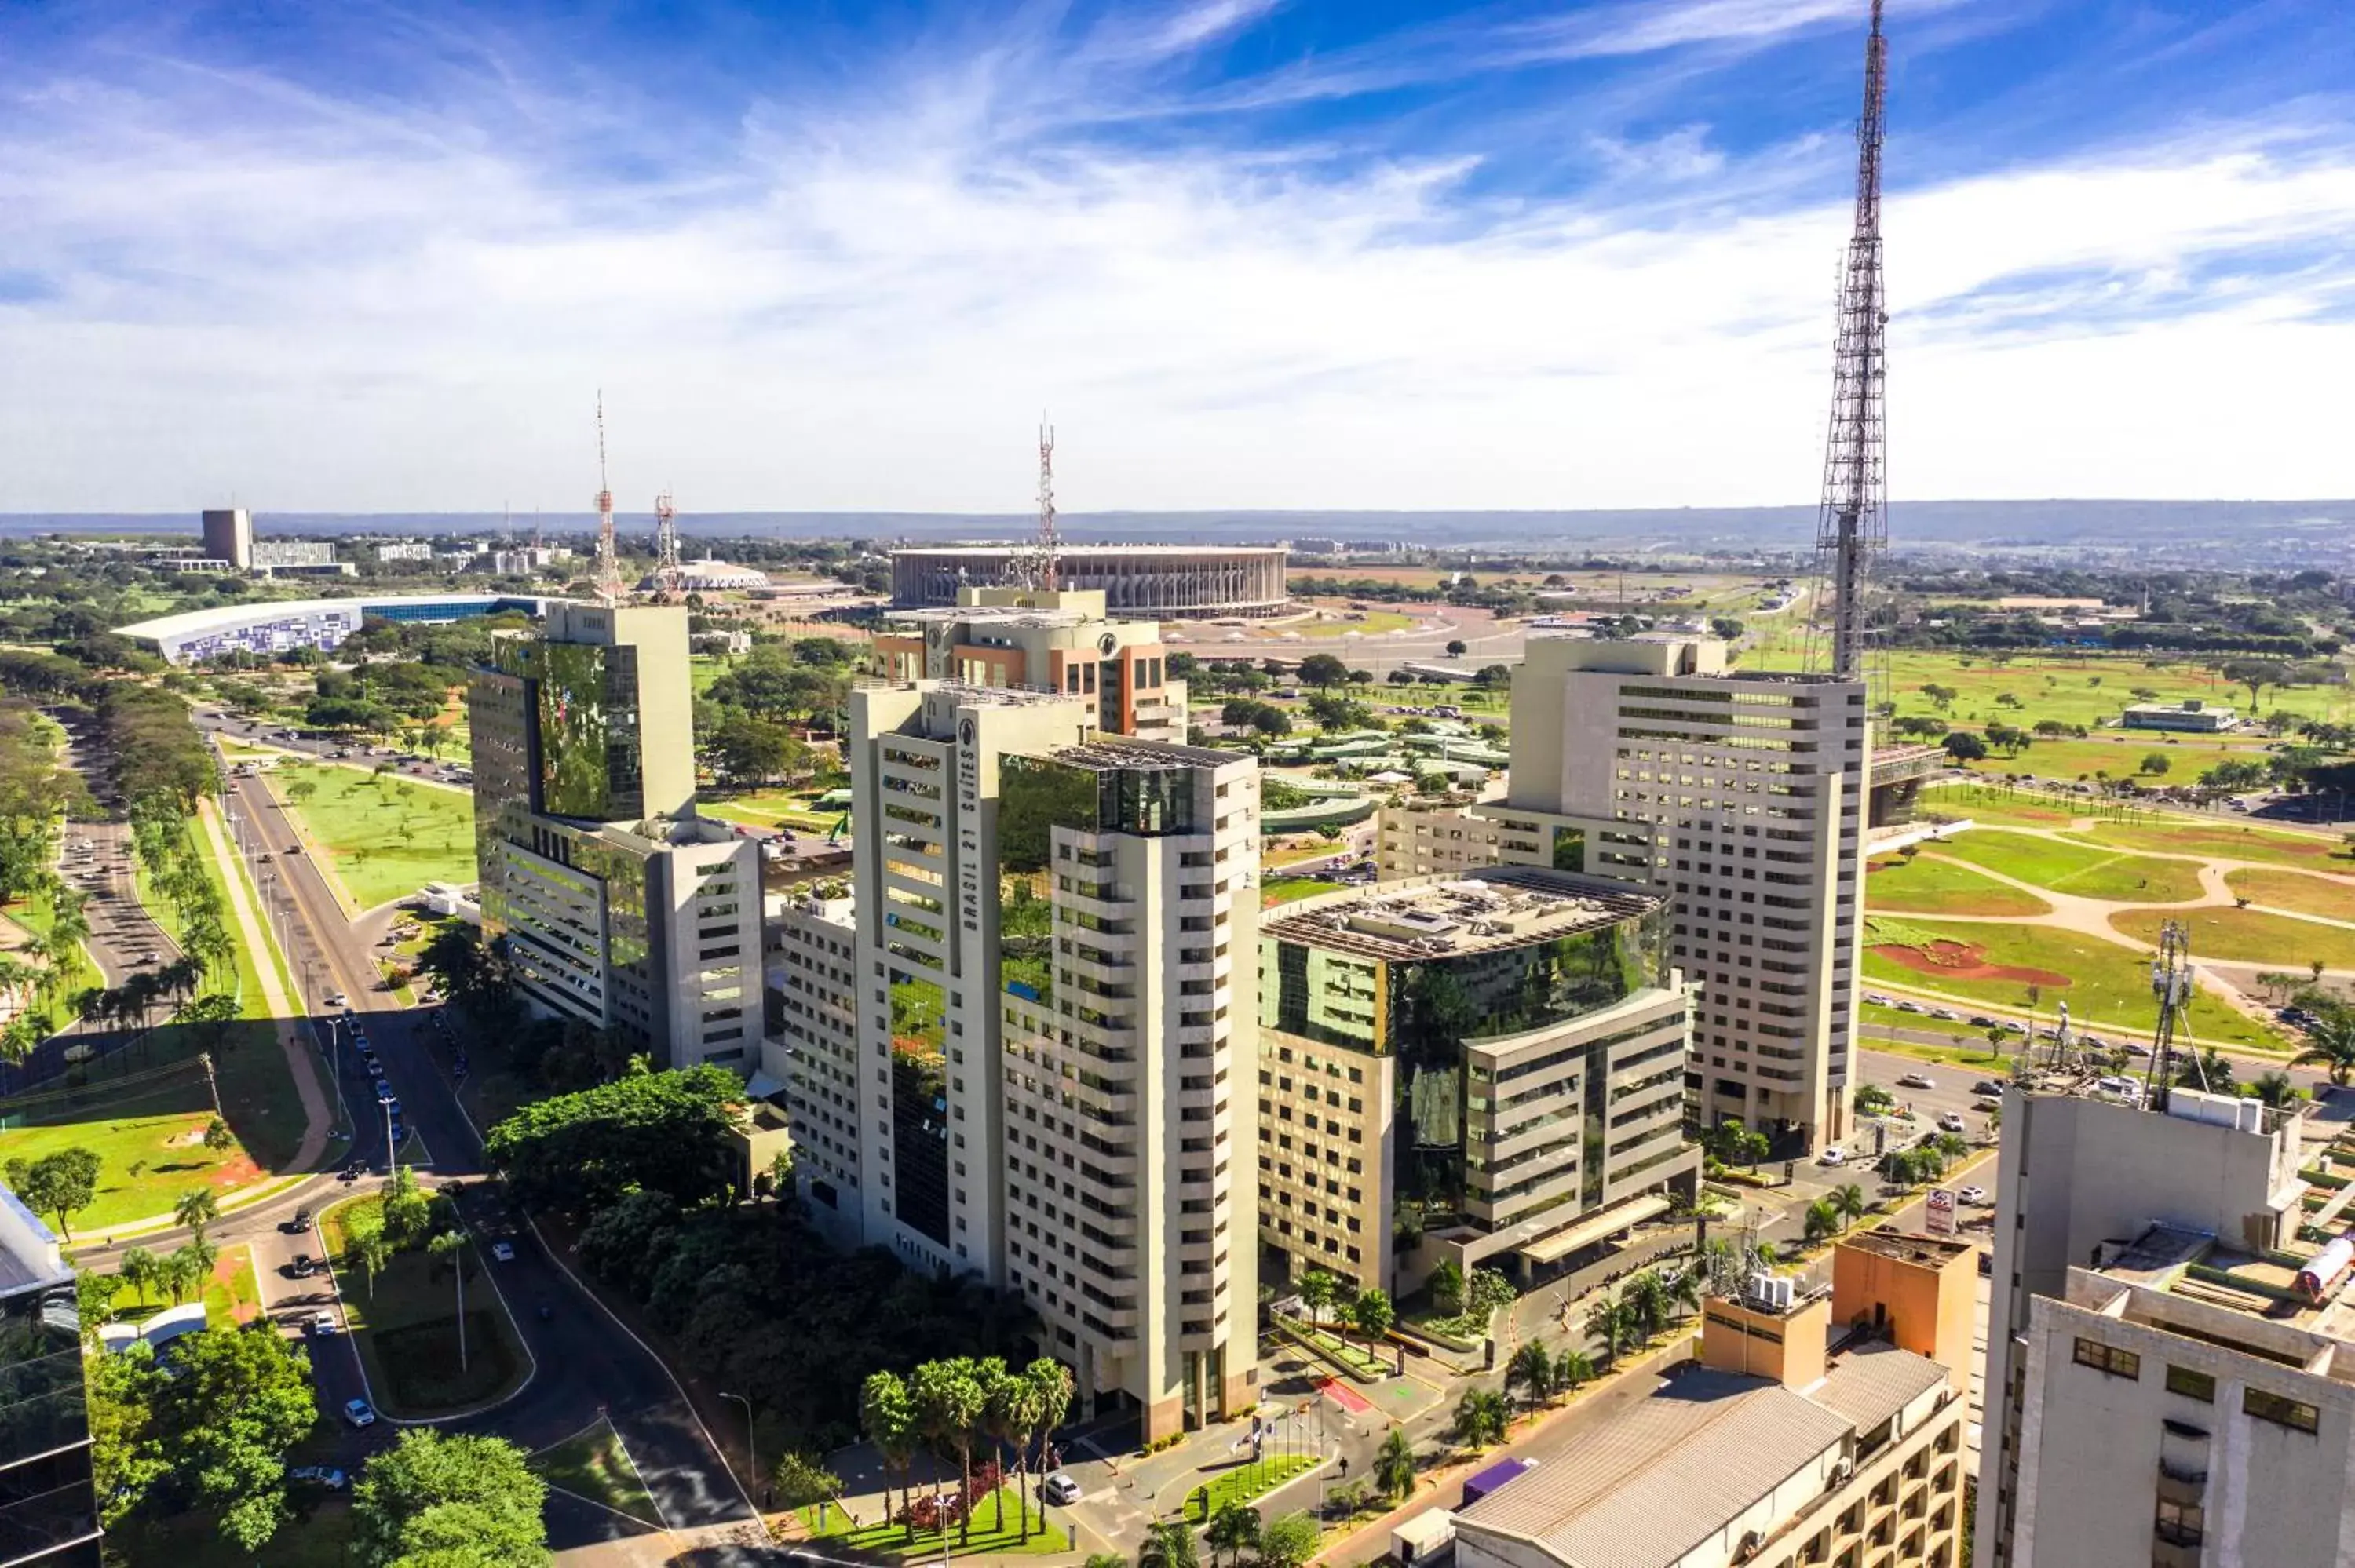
(2085, 870)
(1927, 885)
(1242, 1482)
(2104, 984)
(594, 1465)
(1370, 623)
(884, 1539)
(2120, 757)
(1995, 809)
(232, 1295)
(2078, 690)
(2250, 936)
(771, 808)
(406, 1326)
(2294, 890)
(384, 836)
(2226, 840)
(705, 669)
(1275, 893)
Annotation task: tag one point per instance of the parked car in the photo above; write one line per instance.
(1834, 1156)
(325, 1476)
(358, 1414)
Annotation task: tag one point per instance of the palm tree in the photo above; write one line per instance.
(1234, 1530)
(1006, 1398)
(1481, 1417)
(1822, 1219)
(949, 1398)
(1394, 1465)
(1609, 1320)
(144, 1271)
(1849, 1203)
(449, 1248)
(2330, 1045)
(196, 1209)
(1951, 1147)
(887, 1415)
(1682, 1292)
(1532, 1368)
(1646, 1298)
(2274, 1089)
(1051, 1383)
(2210, 1070)
(1170, 1545)
(1573, 1369)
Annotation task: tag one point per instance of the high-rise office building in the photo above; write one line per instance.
(1049, 961)
(2162, 1387)
(616, 904)
(1487, 1070)
(1741, 795)
(1042, 640)
(228, 536)
(48, 1506)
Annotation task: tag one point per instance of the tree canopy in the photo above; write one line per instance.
(666, 1131)
(441, 1501)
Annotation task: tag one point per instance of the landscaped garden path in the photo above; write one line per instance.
(2312, 920)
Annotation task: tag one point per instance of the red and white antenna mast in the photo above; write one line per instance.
(668, 571)
(1853, 525)
(606, 577)
(1049, 547)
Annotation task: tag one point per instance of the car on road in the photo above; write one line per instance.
(1987, 1087)
(1910, 1007)
(319, 1322)
(336, 999)
(503, 1252)
(325, 1476)
(304, 1267)
(358, 1414)
(375, 1069)
(299, 1224)
(1951, 1122)
(1988, 1103)
(1059, 1488)
(384, 1096)
(1916, 1081)
(1974, 1196)
(1981, 1021)
(1948, 1013)
(1833, 1156)
(2137, 1048)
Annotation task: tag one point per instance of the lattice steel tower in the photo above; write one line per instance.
(668, 570)
(1853, 526)
(606, 576)
(1050, 546)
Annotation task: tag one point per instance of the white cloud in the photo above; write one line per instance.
(865, 310)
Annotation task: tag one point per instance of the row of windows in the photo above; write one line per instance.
(2279, 1409)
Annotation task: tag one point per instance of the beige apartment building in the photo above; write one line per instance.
(1784, 1448)
(1041, 639)
(1486, 1069)
(1741, 795)
(1037, 1082)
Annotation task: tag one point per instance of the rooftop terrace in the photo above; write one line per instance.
(1484, 910)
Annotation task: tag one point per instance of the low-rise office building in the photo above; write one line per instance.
(2192, 715)
(1486, 1069)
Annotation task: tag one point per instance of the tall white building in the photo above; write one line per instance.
(1741, 794)
(1050, 962)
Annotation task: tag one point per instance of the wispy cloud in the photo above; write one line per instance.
(852, 281)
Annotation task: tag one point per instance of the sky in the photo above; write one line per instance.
(1275, 254)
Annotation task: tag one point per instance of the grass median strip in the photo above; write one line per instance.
(405, 1320)
(592, 1465)
(985, 1538)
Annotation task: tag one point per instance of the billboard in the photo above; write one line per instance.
(1939, 1215)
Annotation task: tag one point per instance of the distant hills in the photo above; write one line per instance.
(2244, 532)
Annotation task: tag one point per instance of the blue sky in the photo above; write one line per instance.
(1247, 253)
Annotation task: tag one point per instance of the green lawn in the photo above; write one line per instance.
(2000, 806)
(1928, 886)
(704, 670)
(2104, 984)
(1242, 1482)
(594, 1465)
(2076, 690)
(319, 1536)
(888, 1540)
(2085, 870)
(770, 807)
(1374, 623)
(232, 1295)
(2294, 890)
(1274, 892)
(406, 1325)
(2250, 936)
(384, 836)
(2226, 840)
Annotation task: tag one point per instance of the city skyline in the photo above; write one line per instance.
(1247, 254)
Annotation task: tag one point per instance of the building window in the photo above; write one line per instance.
(2272, 1407)
(2180, 1524)
(2108, 1359)
(2191, 1384)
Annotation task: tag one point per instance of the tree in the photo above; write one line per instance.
(449, 1250)
(1873, 1099)
(2330, 1045)
(802, 1480)
(1288, 1542)
(1531, 1369)
(191, 1264)
(1322, 669)
(436, 1500)
(1446, 1286)
(1821, 1221)
(949, 1402)
(1168, 1544)
(1481, 1417)
(1394, 1465)
(1317, 1289)
(1233, 1529)
(2153, 763)
(2210, 1070)
(667, 1130)
(1371, 1314)
(241, 1398)
(405, 1208)
(1006, 1419)
(1964, 746)
(127, 1455)
(1609, 1320)
(217, 1137)
(198, 1207)
(2274, 1089)
(1051, 1383)
(1456, 648)
(94, 1295)
(745, 749)
(1489, 1289)
(365, 1241)
(1571, 1370)
(1646, 1299)
(887, 1417)
(1849, 1202)
(63, 1184)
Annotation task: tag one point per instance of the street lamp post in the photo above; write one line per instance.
(752, 1451)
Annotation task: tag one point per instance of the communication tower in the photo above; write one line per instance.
(606, 576)
(668, 571)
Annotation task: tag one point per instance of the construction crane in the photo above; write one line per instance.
(1852, 526)
(606, 576)
(668, 571)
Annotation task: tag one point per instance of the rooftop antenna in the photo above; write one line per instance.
(2171, 983)
(1853, 526)
(1048, 547)
(668, 571)
(606, 577)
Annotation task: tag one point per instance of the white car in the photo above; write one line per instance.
(503, 1252)
(1917, 1081)
(1059, 1488)
(319, 1322)
(1951, 1122)
(1974, 1196)
(336, 999)
(358, 1412)
(1834, 1156)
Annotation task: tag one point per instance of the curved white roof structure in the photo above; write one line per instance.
(273, 626)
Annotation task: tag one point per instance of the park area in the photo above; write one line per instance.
(1926, 884)
(996, 1531)
(383, 836)
(404, 1319)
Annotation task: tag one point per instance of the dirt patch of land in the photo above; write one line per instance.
(1965, 961)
